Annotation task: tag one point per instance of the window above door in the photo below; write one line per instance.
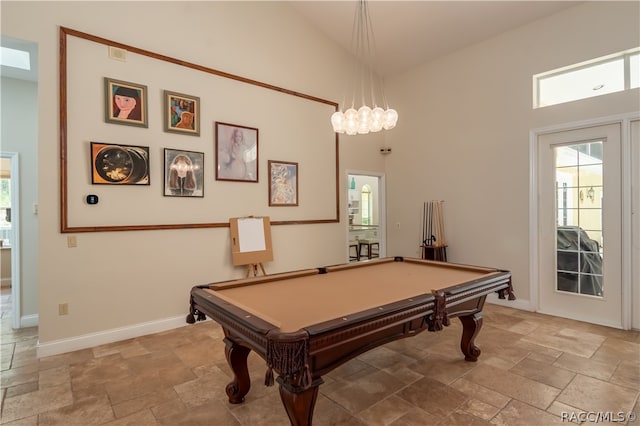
(600, 76)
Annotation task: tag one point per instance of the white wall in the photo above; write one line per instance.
(20, 134)
(464, 134)
(119, 284)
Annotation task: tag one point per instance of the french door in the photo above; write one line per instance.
(579, 224)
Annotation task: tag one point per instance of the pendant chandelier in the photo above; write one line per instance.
(365, 84)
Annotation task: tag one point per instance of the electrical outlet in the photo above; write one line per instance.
(63, 309)
(72, 241)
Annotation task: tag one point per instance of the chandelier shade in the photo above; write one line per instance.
(364, 84)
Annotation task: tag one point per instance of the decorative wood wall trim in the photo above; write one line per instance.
(65, 227)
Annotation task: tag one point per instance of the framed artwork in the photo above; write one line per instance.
(181, 113)
(125, 103)
(236, 152)
(183, 173)
(119, 164)
(283, 183)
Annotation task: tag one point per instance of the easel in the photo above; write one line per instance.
(251, 243)
(253, 267)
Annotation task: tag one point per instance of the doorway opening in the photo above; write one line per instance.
(10, 236)
(20, 140)
(365, 216)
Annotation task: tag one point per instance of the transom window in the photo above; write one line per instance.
(609, 74)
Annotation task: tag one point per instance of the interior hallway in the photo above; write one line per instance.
(532, 368)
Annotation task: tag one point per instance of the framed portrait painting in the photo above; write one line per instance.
(119, 164)
(283, 183)
(125, 103)
(183, 173)
(236, 152)
(181, 113)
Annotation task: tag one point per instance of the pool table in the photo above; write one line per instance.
(306, 323)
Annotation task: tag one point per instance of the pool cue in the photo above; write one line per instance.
(436, 225)
(433, 230)
(444, 239)
(440, 223)
(423, 242)
(429, 223)
(426, 223)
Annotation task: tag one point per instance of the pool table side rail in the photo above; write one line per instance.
(499, 281)
(466, 300)
(249, 329)
(433, 263)
(452, 265)
(259, 280)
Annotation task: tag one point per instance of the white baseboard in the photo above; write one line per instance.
(5, 282)
(29, 321)
(524, 305)
(56, 347)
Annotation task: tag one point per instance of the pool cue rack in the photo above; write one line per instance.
(433, 242)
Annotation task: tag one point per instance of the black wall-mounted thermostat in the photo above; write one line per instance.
(92, 199)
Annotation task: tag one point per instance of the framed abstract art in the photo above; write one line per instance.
(283, 183)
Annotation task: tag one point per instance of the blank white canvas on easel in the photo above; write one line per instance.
(251, 232)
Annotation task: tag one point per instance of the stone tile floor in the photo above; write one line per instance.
(534, 370)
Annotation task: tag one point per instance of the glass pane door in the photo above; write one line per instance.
(579, 193)
(579, 206)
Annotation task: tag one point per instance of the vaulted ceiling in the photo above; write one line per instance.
(408, 33)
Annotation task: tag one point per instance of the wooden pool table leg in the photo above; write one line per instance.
(471, 325)
(298, 402)
(237, 359)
